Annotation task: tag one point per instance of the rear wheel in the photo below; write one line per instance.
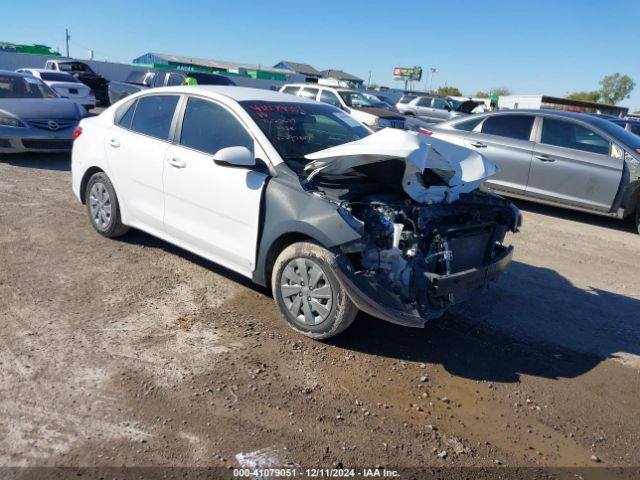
(103, 207)
(638, 218)
(308, 293)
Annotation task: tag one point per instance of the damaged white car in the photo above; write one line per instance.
(296, 195)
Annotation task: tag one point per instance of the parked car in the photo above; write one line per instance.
(84, 73)
(379, 101)
(350, 101)
(267, 185)
(139, 80)
(65, 85)
(567, 159)
(437, 109)
(632, 126)
(33, 117)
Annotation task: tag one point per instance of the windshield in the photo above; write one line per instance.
(24, 87)
(297, 129)
(355, 99)
(74, 67)
(619, 133)
(58, 77)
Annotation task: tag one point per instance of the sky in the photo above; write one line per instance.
(550, 47)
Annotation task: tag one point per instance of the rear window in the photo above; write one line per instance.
(467, 125)
(154, 114)
(74, 67)
(511, 126)
(406, 98)
(58, 77)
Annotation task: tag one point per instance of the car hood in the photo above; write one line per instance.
(39, 108)
(380, 112)
(461, 169)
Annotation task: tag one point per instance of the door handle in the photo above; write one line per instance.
(478, 145)
(545, 158)
(176, 162)
(113, 142)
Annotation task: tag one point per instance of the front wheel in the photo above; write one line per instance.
(308, 293)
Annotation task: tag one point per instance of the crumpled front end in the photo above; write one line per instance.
(430, 237)
(415, 261)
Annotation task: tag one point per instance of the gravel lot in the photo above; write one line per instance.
(133, 352)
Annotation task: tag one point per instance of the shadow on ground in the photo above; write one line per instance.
(533, 322)
(42, 161)
(576, 216)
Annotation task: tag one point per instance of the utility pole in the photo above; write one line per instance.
(67, 37)
(433, 72)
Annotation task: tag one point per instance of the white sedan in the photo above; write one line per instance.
(295, 195)
(65, 85)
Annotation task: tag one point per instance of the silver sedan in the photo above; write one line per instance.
(33, 117)
(567, 159)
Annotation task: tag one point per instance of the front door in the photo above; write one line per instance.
(210, 209)
(573, 164)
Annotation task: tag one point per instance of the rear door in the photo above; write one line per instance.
(423, 108)
(505, 139)
(211, 209)
(136, 146)
(573, 164)
(441, 110)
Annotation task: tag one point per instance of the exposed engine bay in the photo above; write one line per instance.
(409, 248)
(430, 237)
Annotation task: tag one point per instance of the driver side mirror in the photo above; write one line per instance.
(235, 157)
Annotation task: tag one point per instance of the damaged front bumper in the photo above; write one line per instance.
(372, 298)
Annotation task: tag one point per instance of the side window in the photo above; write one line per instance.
(571, 135)
(175, 79)
(158, 81)
(291, 90)
(126, 115)
(510, 126)
(635, 128)
(329, 97)
(153, 115)
(208, 127)
(310, 93)
(424, 102)
(467, 125)
(439, 104)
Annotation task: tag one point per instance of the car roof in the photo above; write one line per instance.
(15, 74)
(239, 94)
(317, 85)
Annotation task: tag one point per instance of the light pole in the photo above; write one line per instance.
(433, 72)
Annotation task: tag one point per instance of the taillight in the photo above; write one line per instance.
(77, 132)
(424, 131)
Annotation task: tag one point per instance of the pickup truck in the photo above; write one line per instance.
(139, 80)
(84, 73)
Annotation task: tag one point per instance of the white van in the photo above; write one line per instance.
(351, 101)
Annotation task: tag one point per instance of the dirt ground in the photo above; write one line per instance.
(133, 352)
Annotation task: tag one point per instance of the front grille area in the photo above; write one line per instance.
(44, 124)
(47, 144)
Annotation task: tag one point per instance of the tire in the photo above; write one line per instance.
(637, 215)
(321, 315)
(103, 207)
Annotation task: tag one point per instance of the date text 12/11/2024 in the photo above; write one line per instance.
(315, 473)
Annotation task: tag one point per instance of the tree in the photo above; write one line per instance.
(585, 96)
(481, 94)
(500, 91)
(448, 92)
(372, 86)
(616, 87)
